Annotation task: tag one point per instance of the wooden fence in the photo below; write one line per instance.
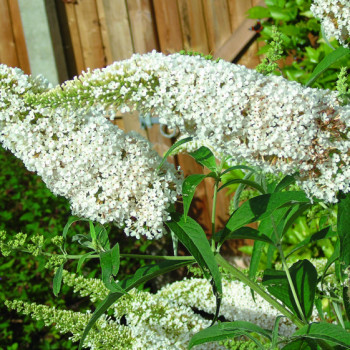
(94, 33)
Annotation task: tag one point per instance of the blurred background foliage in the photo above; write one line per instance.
(27, 206)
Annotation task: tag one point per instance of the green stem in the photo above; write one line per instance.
(137, 256)
(257, 289)
(213, 214)
(289, 277)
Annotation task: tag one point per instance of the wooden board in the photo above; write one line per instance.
(104, 32)
(8, 53)
(18, 35)
(238, 41)
(194, 33)
(237, 11)
(168, 25)
(75, 37)
(217, 22)
(118, 29)
(142, 25)
(90, 34)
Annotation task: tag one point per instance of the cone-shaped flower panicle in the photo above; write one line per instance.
(107, 175)
(266, 121)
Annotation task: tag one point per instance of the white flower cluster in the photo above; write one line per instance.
(335, 18)
(165, 320)
(107, 175)
(237, 302)
(267, 121)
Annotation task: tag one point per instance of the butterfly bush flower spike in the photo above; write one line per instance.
(108, 175)
(335, 18)
(266, 121)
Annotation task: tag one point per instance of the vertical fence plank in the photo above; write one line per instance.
(118, 29)
(193, 26)
(143, 26)
(168, 25)
(104, 32)
(75, 37)
(8, 54)
(237, 10)
(21, 48)
(218, 22)
(90, 34)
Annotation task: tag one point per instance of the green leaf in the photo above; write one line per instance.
(324, 233)
(304, 277)
(226, 330)
(71, 220)
(82, 259)
(334, 257)
(346, 301)
(172, 148)
(188, 189)
(238, 167)
(302, 344)
(192, 236)
(328, 332)
(285, 182)
(258, 12)
(266, 227)
(142, 275)
(263, 206)
(57, 280)
(274, 340)
(102, 236)
(205, 157)
(329, 60)
(343, 224)
(243, 181)
(92, 231)
(110, 262)
(244, 233)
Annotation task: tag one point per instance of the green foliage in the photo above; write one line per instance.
(301, 39)
(27, 206)
(273, 54)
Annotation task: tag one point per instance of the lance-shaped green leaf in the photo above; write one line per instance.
(328, 332)
(110, 262)
(189, 187)
(57, 280)
(343, 225)
(334, 257)
(268, 229)
(285, 182)
(172, 149)
(346, 301)
(192, 236)
(324, 233)
(82, 260)
(142, 275)
(329, 60)
(274, 340)
(304, 278)
(226, 330)
(102, 237)
(238, 167)
(263, 206)
(244, 233)
(250, 183)
(205, 157)
(69, 223)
